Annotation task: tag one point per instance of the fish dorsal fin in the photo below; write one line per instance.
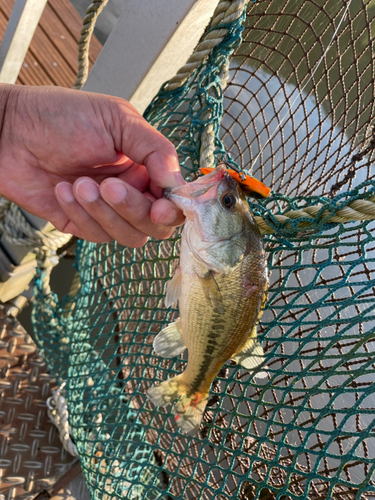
(168, 343)
(212, 291)
(174, 287)
(251, 355)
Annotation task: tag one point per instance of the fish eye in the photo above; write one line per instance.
(228, 201)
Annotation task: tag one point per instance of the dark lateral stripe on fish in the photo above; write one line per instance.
(219, 325)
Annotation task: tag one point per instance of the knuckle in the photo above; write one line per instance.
(60, 226)
(141, 242)
(169, 149)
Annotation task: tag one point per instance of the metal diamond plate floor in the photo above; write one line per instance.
(32, 458)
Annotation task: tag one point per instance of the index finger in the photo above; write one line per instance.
(144, 145)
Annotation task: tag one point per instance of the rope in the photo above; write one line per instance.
(207, 157)
(226, 12)
(357, 210)
(89, 21)
(57, 410)
(20, 232)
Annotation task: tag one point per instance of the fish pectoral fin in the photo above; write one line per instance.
(251, 356)
(212, 291)
(173, 291)
(168, 343)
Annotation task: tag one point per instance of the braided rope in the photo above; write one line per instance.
(226, 12)
(57, 410)
(357, 210)
(4, 206)
(57, 405)
(87, 30)
(207, 157)
(20, 232)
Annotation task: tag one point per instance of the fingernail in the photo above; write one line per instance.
(168, 217)
(64, 191)
(179, 179)
(114, 192)
(88, 191)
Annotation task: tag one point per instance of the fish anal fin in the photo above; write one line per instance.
(174, 287)
(168, 343)
(212, 291)
(251, 355)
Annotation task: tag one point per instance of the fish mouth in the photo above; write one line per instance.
(198, 187)
(166, 192)
(203, 190)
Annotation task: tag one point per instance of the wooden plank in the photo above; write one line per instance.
(3, 24)
(175, 53)
(73, 21)
(134, 67)
(22, 23)
(52, 61)
(52, 55)
(48, 56)
(59, 35)
(31, 72)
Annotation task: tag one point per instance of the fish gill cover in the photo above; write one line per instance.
(297, 113)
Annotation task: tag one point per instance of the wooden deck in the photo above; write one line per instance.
(52, 55)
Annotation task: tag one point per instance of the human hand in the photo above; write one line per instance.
(88, 163)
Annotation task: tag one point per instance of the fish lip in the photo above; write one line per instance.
(181, 202)
(184, 197)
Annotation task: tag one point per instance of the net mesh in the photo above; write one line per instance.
(307, 431)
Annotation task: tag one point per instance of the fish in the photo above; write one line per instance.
(220, 285)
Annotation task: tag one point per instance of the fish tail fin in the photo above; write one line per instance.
(189, 412)
(166, 392)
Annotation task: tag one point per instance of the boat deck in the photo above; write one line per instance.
(52, 55)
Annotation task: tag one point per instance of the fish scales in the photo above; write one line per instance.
(220, 285)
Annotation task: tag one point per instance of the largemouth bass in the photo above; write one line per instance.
(220, 285)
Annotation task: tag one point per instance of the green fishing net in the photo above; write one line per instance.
(297, 111)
